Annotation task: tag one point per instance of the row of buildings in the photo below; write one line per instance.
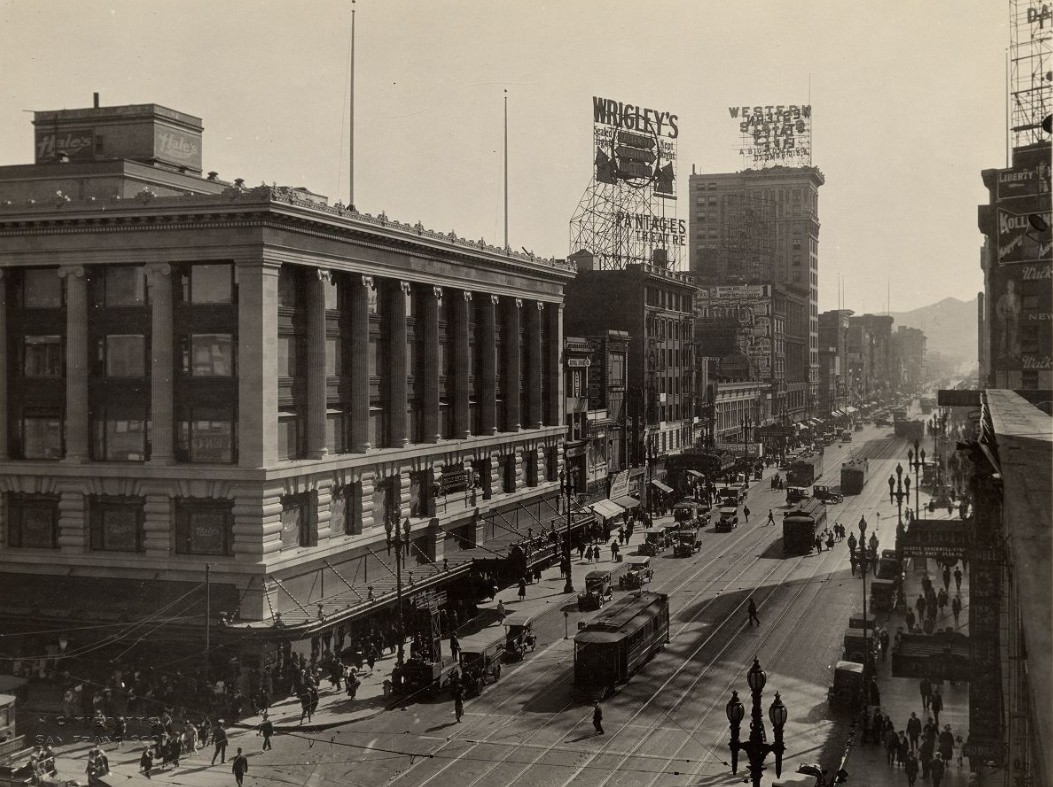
(245, 394)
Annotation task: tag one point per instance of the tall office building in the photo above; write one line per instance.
(762, 227)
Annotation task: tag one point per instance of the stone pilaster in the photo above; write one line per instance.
(257, 364)
(162, 400)
(520, 467)
(430, 382)
(368, 481)
(3, 368)
(398, 364)
(535, 418)
(157, 524)
(497, 480)
(72, 521)
(323, 508)
(404, 502)
(436, 542)
(513, 364)
(316, 371)
(76, 432)
(461, 306)
(554, 407)
(360, 288)
(257, 523)
(487, 371)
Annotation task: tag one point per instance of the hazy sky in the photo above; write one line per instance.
(908, 106)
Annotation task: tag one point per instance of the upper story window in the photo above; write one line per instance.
(40, 432)
(209, 355)
(41, 289)
(42, 356)
(211, 283)
(123, 286)
(204, 527)
(116, 524)
(125, 355)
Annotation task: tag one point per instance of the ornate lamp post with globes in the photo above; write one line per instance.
(916, 460)
(756, 747)
(566, 483)
(401, 541)
(898, 491)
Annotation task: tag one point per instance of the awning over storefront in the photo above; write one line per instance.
(626, 502)
(659, 485)
(607, 508)
(695, 473)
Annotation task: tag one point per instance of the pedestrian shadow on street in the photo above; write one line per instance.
(438, 727)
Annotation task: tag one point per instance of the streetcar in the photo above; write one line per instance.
(800, 525)
(616, 643)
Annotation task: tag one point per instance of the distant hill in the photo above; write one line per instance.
(949, 326)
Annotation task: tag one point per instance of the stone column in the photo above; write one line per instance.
(535, 418)
(368, 481)
(436, 542)
(76, 432)
(430, 383)
(3, 367)
(162, 402)
(513, 364)
(157, 524)
(360, 288)
(258, 364)
(398, 362)
(487, 371)
(462, 364)
(316, 371)
(554, 407)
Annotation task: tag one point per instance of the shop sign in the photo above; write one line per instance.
(619, 485)
(991, 751)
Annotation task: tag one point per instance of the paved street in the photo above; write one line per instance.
(667, 725)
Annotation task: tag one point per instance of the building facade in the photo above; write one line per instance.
(252, 387)
(762, 227)
(833, 359)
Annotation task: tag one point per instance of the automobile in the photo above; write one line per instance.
(687, 512)
(654, 542)
(686, 542)
(638, 572)
(795, 494)
(728, 519)
(519, 635)
(847, 691)
(882, 420)
(846, 436)
(597, 591)
(826, 494)
(481, 656)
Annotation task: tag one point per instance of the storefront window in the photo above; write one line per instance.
(204, 527)
(116, 524)
(32, 521)
(42, 356)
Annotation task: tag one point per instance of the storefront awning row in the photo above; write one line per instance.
(695, 473)
(626, 502)
(607, 508)
(663, 487)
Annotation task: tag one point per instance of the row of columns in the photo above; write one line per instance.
(257, 363)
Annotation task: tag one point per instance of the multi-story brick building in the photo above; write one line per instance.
(198, 374)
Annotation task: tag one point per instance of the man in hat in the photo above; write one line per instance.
(597, 717)
(238, 767)
(219, 738)
(266, 730)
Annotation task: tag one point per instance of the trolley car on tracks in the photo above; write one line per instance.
(616, 643)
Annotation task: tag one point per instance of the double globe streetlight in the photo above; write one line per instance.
(756, 747)
(916, 460)
(401, 541)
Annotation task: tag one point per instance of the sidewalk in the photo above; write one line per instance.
(867, 763)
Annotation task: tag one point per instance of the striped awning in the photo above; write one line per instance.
(607, 508)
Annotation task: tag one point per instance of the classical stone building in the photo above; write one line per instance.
(199, 374)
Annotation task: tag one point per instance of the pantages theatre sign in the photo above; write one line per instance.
(950, 655)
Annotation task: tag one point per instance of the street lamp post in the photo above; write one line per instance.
(566, 482)
(756, 748)
(747, 424)
(916, 460)
(864, 564)
(401, 541)
(898, 491)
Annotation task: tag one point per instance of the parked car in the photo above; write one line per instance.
(795, 494)
(847, 691)
(597, 590)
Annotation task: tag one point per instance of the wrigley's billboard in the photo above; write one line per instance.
(635, 146)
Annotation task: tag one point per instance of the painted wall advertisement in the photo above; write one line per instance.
(747, 306)
(774, 134)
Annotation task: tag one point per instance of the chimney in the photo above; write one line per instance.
(95, 100)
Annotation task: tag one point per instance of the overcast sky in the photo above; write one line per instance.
(908, 106)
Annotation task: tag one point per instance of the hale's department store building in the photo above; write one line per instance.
(249, 378)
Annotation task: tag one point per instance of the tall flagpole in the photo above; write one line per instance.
(351, 132)
(506, 168)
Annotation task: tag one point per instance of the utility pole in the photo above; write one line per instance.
(208, 620)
